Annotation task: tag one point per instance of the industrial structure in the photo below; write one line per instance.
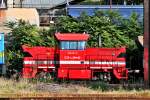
(124, 10)
(48, 10)
(2, 59)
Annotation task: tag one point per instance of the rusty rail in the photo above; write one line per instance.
(102, 96)
(77, 98)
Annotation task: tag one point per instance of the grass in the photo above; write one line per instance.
(11, 86)
(26, 88)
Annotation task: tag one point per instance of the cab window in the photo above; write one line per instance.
(72, 45)
(81, 45)
(64, 45)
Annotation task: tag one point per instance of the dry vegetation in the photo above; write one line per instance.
(26, 88)
(11, 86)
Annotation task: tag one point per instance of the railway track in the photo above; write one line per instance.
(78, 97)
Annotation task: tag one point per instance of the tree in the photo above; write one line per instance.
(23, 33)
(114, 30)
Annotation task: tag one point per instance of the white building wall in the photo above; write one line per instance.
(28, 14)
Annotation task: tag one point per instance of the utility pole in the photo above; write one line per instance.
(146, 45)
(21, 3)
(110, 2)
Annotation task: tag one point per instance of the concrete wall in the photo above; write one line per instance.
(2, 20)
(27, 14)
(14, 14)
(10, 3)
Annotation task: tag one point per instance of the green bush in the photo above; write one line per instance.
(23, 33)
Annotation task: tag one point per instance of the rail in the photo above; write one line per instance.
(74, 97)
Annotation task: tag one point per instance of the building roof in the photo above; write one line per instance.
(41, 4)
(124, 10)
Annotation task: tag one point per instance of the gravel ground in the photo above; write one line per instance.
(63, 88)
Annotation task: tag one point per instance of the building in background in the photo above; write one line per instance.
(3, 4)
(48, 10)
(123, 2)
(108, 2)
(124, 10)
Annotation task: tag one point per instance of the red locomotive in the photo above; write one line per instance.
(70, 59)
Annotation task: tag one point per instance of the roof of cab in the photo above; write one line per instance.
(72, 36)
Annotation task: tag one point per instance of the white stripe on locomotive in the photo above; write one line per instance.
(76, 62)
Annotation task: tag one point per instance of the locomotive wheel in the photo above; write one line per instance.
(43, 76)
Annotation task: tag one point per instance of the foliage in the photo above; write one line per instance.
(114, 30)
(103, 86)
(23, 33)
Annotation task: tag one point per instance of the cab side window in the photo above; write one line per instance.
(72, 45)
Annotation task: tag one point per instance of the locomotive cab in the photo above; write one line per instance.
(72, 49)
(76, 41)
(78, 62)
